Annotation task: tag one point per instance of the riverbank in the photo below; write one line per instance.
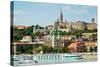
(89, 57)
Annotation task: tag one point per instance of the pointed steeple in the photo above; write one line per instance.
(61, 15)
(93, 20)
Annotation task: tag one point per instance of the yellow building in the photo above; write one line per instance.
(92, 25)
(79, 25)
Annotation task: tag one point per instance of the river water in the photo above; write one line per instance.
(39, 59)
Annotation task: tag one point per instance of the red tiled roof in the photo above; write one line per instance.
(22, 27)
(74, 45)
(90, 43)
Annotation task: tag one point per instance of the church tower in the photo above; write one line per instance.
(93, 20)
(61, 16)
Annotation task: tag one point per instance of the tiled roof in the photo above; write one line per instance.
(22, 27)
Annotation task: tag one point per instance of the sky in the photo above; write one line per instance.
(32, 13)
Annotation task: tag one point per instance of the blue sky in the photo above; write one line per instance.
(32, 13)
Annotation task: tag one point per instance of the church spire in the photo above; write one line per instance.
(61, 16)
(93, 20)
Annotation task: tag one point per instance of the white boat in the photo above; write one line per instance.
(26, 62)
(71, 55)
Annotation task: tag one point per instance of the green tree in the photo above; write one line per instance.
(65, 50)
(91, 49)
(95, 48)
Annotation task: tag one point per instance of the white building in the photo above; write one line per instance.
(26, 39)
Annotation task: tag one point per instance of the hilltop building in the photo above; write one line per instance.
(62, 25)
(92, 25)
